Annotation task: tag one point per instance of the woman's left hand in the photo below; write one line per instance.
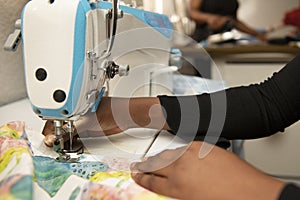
(180, 173)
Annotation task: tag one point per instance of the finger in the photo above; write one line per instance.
(151, 166)
(48, 128)
(154, 183)
(166, 157)
(159, 162)
(49, 140)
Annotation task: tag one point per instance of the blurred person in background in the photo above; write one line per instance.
(217, 16)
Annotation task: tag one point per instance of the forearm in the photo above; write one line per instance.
(246, 29)
(117, 114)
(147, 112)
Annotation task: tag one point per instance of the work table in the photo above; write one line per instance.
(251, 48)
(198, 59)
(286, 51)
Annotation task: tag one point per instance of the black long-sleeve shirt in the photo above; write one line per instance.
(254, 111)
(249, 112)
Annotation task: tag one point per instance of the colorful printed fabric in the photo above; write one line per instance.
(15, 163)
(116, 186)
(20, 169)
(50, 174)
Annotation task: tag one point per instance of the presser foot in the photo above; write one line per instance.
(69, 153)
(68, 157)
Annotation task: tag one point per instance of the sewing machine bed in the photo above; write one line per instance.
(53, 180)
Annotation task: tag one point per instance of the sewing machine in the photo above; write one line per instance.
(72, 48)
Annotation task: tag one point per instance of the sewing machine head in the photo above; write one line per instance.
(67, 49)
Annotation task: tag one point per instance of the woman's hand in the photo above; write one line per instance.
(115, 115)
(180, 173)
(90, 125)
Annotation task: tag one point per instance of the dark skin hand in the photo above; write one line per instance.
(219, 175)
(113, 116)
(89, 125)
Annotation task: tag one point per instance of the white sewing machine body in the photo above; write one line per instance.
(63, 81)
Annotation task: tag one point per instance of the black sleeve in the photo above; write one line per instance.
(249, 112)
(290, 192)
